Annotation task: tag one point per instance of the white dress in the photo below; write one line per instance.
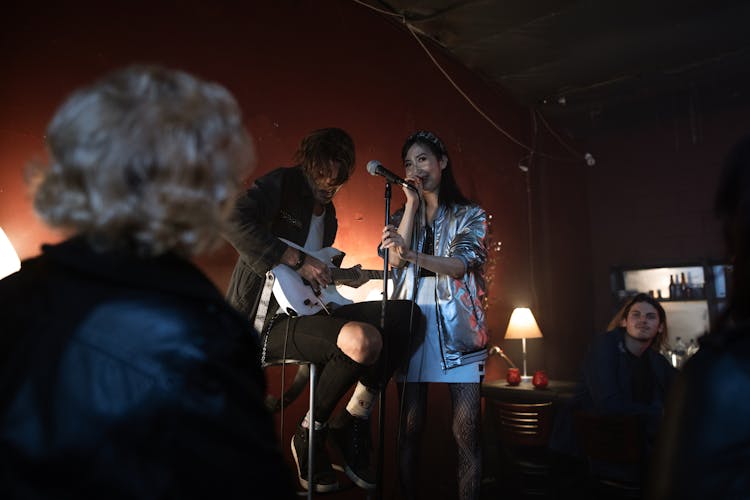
(425, 364)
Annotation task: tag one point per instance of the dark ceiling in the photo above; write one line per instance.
(581, 60)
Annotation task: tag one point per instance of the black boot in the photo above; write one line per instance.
(352, 441)
(324, 478)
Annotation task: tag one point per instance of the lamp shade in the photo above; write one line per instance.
(522, 325)
(9, 261)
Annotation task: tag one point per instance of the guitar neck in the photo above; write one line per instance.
(350, 274)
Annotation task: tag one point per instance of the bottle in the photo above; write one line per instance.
(658, 295)
(684, 288)
(672, 288)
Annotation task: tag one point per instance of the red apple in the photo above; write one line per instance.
(540, 379)
(514, 376)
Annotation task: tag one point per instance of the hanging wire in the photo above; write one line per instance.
(555, 135)
(530, 217)
(414, 32)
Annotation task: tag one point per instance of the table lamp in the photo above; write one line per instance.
(9, 261)
(522, 325)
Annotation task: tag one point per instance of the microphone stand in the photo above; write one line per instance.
(384, 358)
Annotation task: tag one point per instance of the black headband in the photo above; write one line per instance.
(429, 137)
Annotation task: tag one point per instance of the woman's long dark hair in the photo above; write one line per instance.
(732, 205)
(449, 194)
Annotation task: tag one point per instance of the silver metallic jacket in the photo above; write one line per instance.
(460, 231)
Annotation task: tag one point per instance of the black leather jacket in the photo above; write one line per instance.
(129, 378)
(278, 204)
(705, 447)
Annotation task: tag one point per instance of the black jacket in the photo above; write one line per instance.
(129, 378)
(705, 447)
(278, 204)
(605, 387)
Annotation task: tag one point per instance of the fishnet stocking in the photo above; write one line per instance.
(466, 418)
(465, 399)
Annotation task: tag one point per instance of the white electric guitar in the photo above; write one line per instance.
(292, 292)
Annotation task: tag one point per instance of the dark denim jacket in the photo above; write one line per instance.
(129, 378)
(704, 450)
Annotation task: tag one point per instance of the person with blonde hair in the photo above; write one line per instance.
(661, 338)
(623, 373)
(123, 371)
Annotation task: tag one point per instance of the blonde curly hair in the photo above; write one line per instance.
(146, 160)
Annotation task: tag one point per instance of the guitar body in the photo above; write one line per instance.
(293, 293)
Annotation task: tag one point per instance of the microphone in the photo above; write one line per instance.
(374, 167)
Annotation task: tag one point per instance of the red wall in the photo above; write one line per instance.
(294, 66)
(648, 201)
(652, 191)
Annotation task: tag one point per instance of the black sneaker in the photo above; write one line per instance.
(324, 478)
(351, 439)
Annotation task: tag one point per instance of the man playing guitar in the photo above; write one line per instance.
(295, 294)
(280, 224)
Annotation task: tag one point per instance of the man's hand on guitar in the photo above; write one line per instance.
(313, 270)
(302, 276)
(316, 272)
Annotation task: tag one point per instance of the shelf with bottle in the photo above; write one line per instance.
(680, 300)
(693, 303)
(691, 294)
(683, 289)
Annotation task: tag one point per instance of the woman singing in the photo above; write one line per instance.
(437, 251)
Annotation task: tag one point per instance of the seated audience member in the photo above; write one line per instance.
(123, 372)
(623, 373)
(704, 452)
